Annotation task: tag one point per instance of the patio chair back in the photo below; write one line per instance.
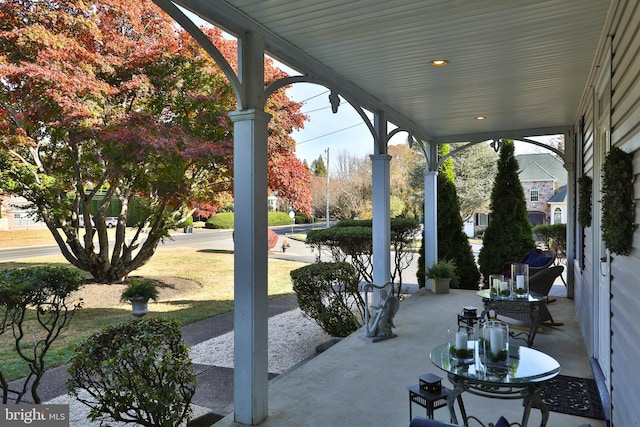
(541, 282)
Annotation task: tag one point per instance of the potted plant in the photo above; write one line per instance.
(138, 293)
(442, 275)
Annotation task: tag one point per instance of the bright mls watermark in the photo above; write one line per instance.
(34, 415)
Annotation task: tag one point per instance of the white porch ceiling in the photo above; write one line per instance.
(524, 64)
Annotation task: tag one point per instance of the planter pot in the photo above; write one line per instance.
(139, 306)
(440, 286)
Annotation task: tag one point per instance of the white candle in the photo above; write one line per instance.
(504, 286)
(461, 340)
(497, 341)
(496, 284)
(520, 282)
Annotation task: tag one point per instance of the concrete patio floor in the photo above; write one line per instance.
(359, 383)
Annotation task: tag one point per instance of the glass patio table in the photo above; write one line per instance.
(526, 374)
(524, 309)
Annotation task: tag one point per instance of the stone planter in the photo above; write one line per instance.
(139, 306)
(440, 285)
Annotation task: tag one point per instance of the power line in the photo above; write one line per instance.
(330, 133)
(314, 96)
(317, 109)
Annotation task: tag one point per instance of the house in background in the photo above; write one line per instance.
(542, 177)
(14, 214)
(544, 182)
(558, 206)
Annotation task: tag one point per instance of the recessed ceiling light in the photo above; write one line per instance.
(439, 62)
(481, 117)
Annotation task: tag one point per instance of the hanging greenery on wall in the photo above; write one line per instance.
(618, 211)
(585, 189)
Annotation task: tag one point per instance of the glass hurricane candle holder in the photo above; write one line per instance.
(462, 341)
(504, 291)
(494, 284)
(494, 342)
(520, 280)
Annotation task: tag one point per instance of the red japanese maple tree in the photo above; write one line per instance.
(107, 105)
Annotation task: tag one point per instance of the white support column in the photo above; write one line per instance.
(570, 144)
(430, 216)
(250, 235)
(381, 222)
(250, 266)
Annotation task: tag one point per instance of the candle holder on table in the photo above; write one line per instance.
(504, 291)
(462, 340)
(520, 280)
(494, 343)
(494, 284)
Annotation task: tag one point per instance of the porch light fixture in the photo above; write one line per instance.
(439, 62)
(480, 117)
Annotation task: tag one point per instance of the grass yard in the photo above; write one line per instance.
(11, 239)
(212, 270)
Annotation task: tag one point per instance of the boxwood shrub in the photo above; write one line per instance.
(328, 293)
(135, 372)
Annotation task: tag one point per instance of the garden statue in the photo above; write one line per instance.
(379, 326)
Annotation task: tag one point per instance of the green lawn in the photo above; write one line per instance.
(213, 270)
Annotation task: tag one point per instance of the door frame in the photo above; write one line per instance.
(601, 255)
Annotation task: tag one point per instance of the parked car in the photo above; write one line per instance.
(81, 221)
(110, 221)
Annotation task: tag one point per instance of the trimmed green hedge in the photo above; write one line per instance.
(220, 220)
(224, 220)
(278, 218)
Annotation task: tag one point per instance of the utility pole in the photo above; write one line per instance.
(327, 194)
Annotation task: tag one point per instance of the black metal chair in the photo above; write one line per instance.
(540, 284)
(537, 260)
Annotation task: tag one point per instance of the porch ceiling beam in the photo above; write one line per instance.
(505, 134)
(231, 20)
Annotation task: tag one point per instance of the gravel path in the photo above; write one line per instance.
(293, 337)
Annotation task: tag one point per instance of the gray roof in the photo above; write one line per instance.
(560, 196)
(541, 167)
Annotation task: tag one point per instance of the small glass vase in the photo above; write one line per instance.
(494, 284)
(520, 280)
(462, 340)
(494, 343)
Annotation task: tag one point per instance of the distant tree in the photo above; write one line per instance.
(508, 236)
(475, 170)
(318, 167)
(350, 192)
(403, 161)
(453, 244)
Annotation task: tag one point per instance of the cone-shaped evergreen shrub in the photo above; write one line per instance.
(453, 243)
(508, 236)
